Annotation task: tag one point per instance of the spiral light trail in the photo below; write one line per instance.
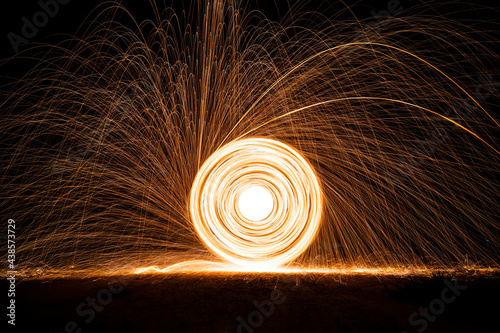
(256, 164)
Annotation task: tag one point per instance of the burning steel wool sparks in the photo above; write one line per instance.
(368, 146)
(254, 164)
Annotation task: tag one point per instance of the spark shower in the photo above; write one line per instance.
(131, 145)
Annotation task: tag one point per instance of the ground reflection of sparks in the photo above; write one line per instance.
(194, 266)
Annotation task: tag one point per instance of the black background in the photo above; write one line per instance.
(74, 13)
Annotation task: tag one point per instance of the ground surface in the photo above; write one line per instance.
(213, 302)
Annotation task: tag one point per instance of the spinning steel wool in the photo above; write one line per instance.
(273, 240)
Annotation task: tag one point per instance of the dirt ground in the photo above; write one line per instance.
(247, 303)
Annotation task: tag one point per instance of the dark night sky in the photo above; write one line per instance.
(72, 14)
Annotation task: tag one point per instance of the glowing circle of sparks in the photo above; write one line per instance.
(274, 239)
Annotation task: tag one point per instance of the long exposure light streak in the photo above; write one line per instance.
(293, 222)
(130, 144)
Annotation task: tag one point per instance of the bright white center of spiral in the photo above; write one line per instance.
(255, 203)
